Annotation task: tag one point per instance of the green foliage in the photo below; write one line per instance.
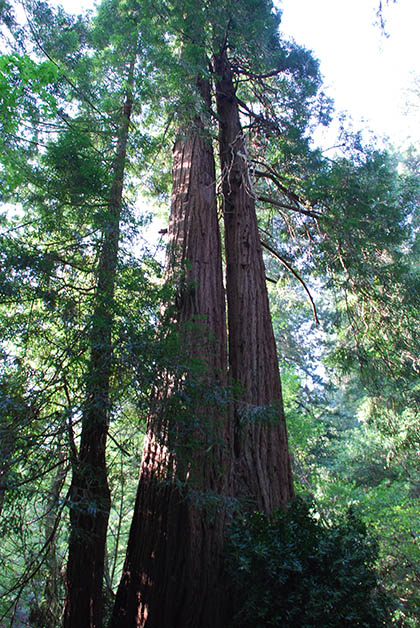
(358, 252)
(22, 81)
(294, 570)
(365, 470)
(303, 429)
(58, 171)
(367, 249)
(339, 455)
(26, 95)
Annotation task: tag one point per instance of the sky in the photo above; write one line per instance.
(368, 74)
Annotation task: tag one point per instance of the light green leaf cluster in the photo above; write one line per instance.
(22, 82)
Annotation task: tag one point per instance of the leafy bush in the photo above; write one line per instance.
(293, 570)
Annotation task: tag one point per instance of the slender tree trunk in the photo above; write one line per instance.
(171, 576)
(5, 457)
(48, 613)
(53, 579)
(90, 496)
(262, 471)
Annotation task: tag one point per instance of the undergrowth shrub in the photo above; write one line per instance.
(294, 570)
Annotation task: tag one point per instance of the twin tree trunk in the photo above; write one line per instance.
(192, 466)
(89, 491)
(172, 571)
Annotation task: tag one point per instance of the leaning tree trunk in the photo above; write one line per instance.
(262, 470)
(89, 491)
(171, 576)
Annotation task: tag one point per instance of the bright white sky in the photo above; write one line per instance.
(367, 74)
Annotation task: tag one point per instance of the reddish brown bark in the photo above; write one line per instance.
(173, 562)
(262, 471)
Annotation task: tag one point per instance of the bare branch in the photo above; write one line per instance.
(74, 456)
(295, 274)
(299, 210)
(120, 447)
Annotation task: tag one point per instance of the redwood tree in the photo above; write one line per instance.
(171, 575)
(195, 452)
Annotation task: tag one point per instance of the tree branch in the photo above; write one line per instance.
(295, 274)
(299, 210)
(120, 447)
(270, 173)
(74, 456)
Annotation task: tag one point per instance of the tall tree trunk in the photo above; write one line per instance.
(90, 496)
(262, 471)
(171, 576)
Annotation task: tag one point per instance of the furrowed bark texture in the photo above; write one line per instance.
(173, 562)
(89, 491)
(262, 470)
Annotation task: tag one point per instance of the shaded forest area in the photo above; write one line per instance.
(229, 438)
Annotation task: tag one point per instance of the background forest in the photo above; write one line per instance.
(94, 113)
